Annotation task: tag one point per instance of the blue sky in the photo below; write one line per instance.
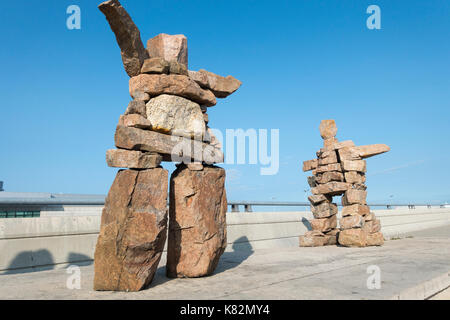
(300, 62)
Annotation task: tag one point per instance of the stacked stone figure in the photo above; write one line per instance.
(339, 170)
(166, 121)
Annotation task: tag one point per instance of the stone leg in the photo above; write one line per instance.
(133, 230)
(197, 227)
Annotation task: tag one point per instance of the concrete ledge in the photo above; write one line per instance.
(70, 236)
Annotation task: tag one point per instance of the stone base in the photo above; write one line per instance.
(133, 231)
(197, 227)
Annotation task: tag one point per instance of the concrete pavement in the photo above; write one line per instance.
(291, 273)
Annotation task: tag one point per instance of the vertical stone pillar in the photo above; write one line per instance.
(197, 220)
(133, 230)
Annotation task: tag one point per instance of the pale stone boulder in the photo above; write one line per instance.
(328, 129)
(176, 116)
(372, 150)
(328, 167)
(133, 231)
(127, 35)
(372, 226)
(375, 239)
(324, 210)
(174, 84)
(169, 47)
(319, 198)
(119, 158)
(313, 239)
(355, 177)
(330, 176)
(197, 228)
(328, 157)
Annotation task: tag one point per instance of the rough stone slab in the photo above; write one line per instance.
(328, 144)
(372, 226)
(355, 177)
(324, 210)
(328, 167)
(353, 196)
(310, 165)
(372, 150)
(133, 231)
(136, 107)
(172, 148)
(316, 199)
(127, 35)
(178, 68)
(222, 87)
(174, 84)
(324, 224)
(355, 209)
(176, 116)
(328, 157)
(313, 239)
(354, 165)
(375, 239)
(328, 129)
(119, 158)
(350, 222)
(169, 47)
(331, 188)
(155, 65)
(330, 176)
(135, 121)
(197, 228)
(353, 238)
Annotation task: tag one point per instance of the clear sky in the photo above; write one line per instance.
(62, 91)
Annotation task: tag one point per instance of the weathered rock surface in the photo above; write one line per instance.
(353, 238)
(331, 188)
(133, 230)
(319, 198)
(310, 165)
(313, 239)
(222, 87)
(329, 176)
(355, 209)
(119, 158)
(324, 224)
(354, 196)
(172, 148)
(178, 68)
(328, 157)
(135, 121)
(375, 239)
(155, 65)
(324, 210)
(127, 35)
(372, 226)
(372, 150)
(349, 222)
(176, 116)
(354, 165)
(328, 129)
(328, 167)
(174, 84)
(139, 95)
(169, 47)
(197, 228)
(136, 107)
(355, 177)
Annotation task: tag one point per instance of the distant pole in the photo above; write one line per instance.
(1, 186)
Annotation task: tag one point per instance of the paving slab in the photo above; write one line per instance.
(292, 273)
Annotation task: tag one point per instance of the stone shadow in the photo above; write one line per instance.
(79, 259)
(24, 259)
(306, 223)
(242, 249)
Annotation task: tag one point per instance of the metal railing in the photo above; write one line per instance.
(60, 200)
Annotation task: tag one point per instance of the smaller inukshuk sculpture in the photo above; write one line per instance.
(340, 170)
(166, 121)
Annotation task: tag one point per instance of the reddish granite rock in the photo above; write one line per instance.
(328, 129)
(127, 35)
(355, 209)
(375, 239)
(169, 47)
(331, 188)
(349, 222)
(174, 84)
(133, 231)
(120, 158)
(222, 87)
(310, 165)
(324, 224)
(353, 238)
(197, 229)
(354, 196)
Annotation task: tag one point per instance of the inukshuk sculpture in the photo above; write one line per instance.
(166, 121)
(340, 170)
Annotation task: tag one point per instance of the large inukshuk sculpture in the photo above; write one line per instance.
(166, 121)
(340, 170)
